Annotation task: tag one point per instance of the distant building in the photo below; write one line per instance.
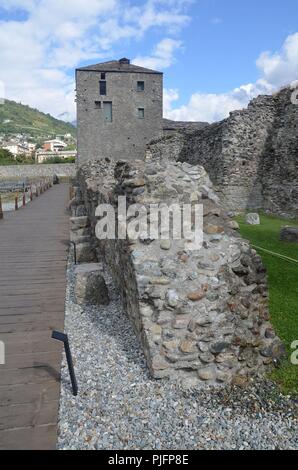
(31, 147)
(119, 109)
(54, 145)
(17, 149)
(43, 155)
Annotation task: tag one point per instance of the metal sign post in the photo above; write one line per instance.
(64, 338)
(1, 210)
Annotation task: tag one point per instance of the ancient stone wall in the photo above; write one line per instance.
(36, 171)
(279, 167)
(252, 156)
(170, 127)
(201, 315)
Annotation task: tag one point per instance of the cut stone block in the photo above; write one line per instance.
(78, 222)
(85, 253)
(90, 286)
(77, 235)
(253, 218)
(289, 234)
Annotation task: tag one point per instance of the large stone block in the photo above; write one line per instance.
(252, 218)
(90, 286)
(85, 252)
(289, 234)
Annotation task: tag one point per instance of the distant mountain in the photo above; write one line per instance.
(16, 118)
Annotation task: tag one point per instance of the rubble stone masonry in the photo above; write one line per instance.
(251, 157)
(201, 315)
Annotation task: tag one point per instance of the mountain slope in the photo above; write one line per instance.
(16, 118)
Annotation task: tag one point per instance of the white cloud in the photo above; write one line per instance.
(169, 96)
(39, 53)
(281, 67)
(162, 56)
(212, 107)
(277, 69)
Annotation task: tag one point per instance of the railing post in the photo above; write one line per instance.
(16, 202)
(1, 210)
(24, 199)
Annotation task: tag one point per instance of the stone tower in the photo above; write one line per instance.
(119, 109)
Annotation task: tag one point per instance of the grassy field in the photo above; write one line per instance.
(283, 289)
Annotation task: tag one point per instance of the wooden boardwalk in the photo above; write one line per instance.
(33, 258)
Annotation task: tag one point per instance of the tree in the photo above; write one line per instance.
(6, 157)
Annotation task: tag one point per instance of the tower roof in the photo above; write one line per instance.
(122, 65)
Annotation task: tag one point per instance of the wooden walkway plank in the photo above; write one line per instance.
(33, 257)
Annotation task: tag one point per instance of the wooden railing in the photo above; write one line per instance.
(30, 191)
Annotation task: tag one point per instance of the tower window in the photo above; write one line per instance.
(103, 76)
(140, 86)
(107, 111)
(141, 113)
(102, 87)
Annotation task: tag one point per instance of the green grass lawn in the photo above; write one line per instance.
(283, 289)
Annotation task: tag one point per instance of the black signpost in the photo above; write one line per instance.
(64, 338)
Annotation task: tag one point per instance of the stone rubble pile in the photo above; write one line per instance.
(201, 315)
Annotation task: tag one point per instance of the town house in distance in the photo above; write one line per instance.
(119, 110)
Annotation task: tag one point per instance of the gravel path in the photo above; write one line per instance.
(120, 407)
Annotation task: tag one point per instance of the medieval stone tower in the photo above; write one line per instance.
(119, 110)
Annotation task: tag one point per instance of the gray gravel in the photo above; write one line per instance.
(120, 407)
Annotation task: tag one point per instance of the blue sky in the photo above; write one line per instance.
(215, 54)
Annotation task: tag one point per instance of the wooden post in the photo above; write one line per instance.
(31, 194)
(1, 210)
(24, 199)
(16, 202)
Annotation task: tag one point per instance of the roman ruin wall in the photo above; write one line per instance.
(201, 315)
(251, 157)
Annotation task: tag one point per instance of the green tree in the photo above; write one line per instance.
(6, 157)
